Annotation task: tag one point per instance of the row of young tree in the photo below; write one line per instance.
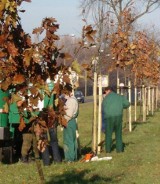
(135, 51)
(130, 52)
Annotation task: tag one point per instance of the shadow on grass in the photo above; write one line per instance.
(78, 177)
(135, 124)
(138, 123)
(124, 145)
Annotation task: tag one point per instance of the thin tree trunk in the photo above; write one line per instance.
(40, 171)
(149, 100)
(135, 103)
(156, 97)
(144, 102)
(85, 83)
(94, 132)
(118, 80)
(100, 113)
(152, 100)
(129, 110)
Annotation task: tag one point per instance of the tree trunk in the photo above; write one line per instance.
(100, 113)
(94, 128)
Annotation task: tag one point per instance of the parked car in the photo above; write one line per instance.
(79, 96)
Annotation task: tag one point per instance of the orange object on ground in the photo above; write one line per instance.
(88, 156)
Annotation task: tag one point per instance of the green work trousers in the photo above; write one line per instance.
(29, 140)
(113, 124)
(70, 141)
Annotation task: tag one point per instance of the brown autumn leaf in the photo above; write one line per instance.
(129, 62)
(54, 28)
(12, 61)
(8, 19)
(34, 91)
(147, 73)
(2, 38)
(57, 87)
(2, 6)
(33, 101)
(22, 124)
(55, 37)
(18, 79)
(91, 32)
(13, 51)
(2, 54)
(90, 38)
(1, 76)
(5, 84)
(53, 20)
(36, 56)
(87, 28)
(46, 90)
(27, 57)
(37, 30)
(51, 118)
(42, 124)
(62, 120)
(132, 46)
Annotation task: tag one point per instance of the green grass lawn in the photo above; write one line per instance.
(139, 164)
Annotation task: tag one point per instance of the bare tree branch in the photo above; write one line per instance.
(119, 6)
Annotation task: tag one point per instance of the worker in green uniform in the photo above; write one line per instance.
(29, 138)
(69, 132)
(45, 104)
(14, 120)
(112, 107)
(23, 136)
(52, 127)
(30, 116)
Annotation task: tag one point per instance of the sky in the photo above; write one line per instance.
(67, 14)
(151, 19)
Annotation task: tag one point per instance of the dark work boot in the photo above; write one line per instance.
(24, 159)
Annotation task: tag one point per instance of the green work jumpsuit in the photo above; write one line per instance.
(112, 107)
(70, 140)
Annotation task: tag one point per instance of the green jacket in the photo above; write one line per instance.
(113, 105)
(48, 101)
(3, 104)
(3, 94)
(14, 116)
